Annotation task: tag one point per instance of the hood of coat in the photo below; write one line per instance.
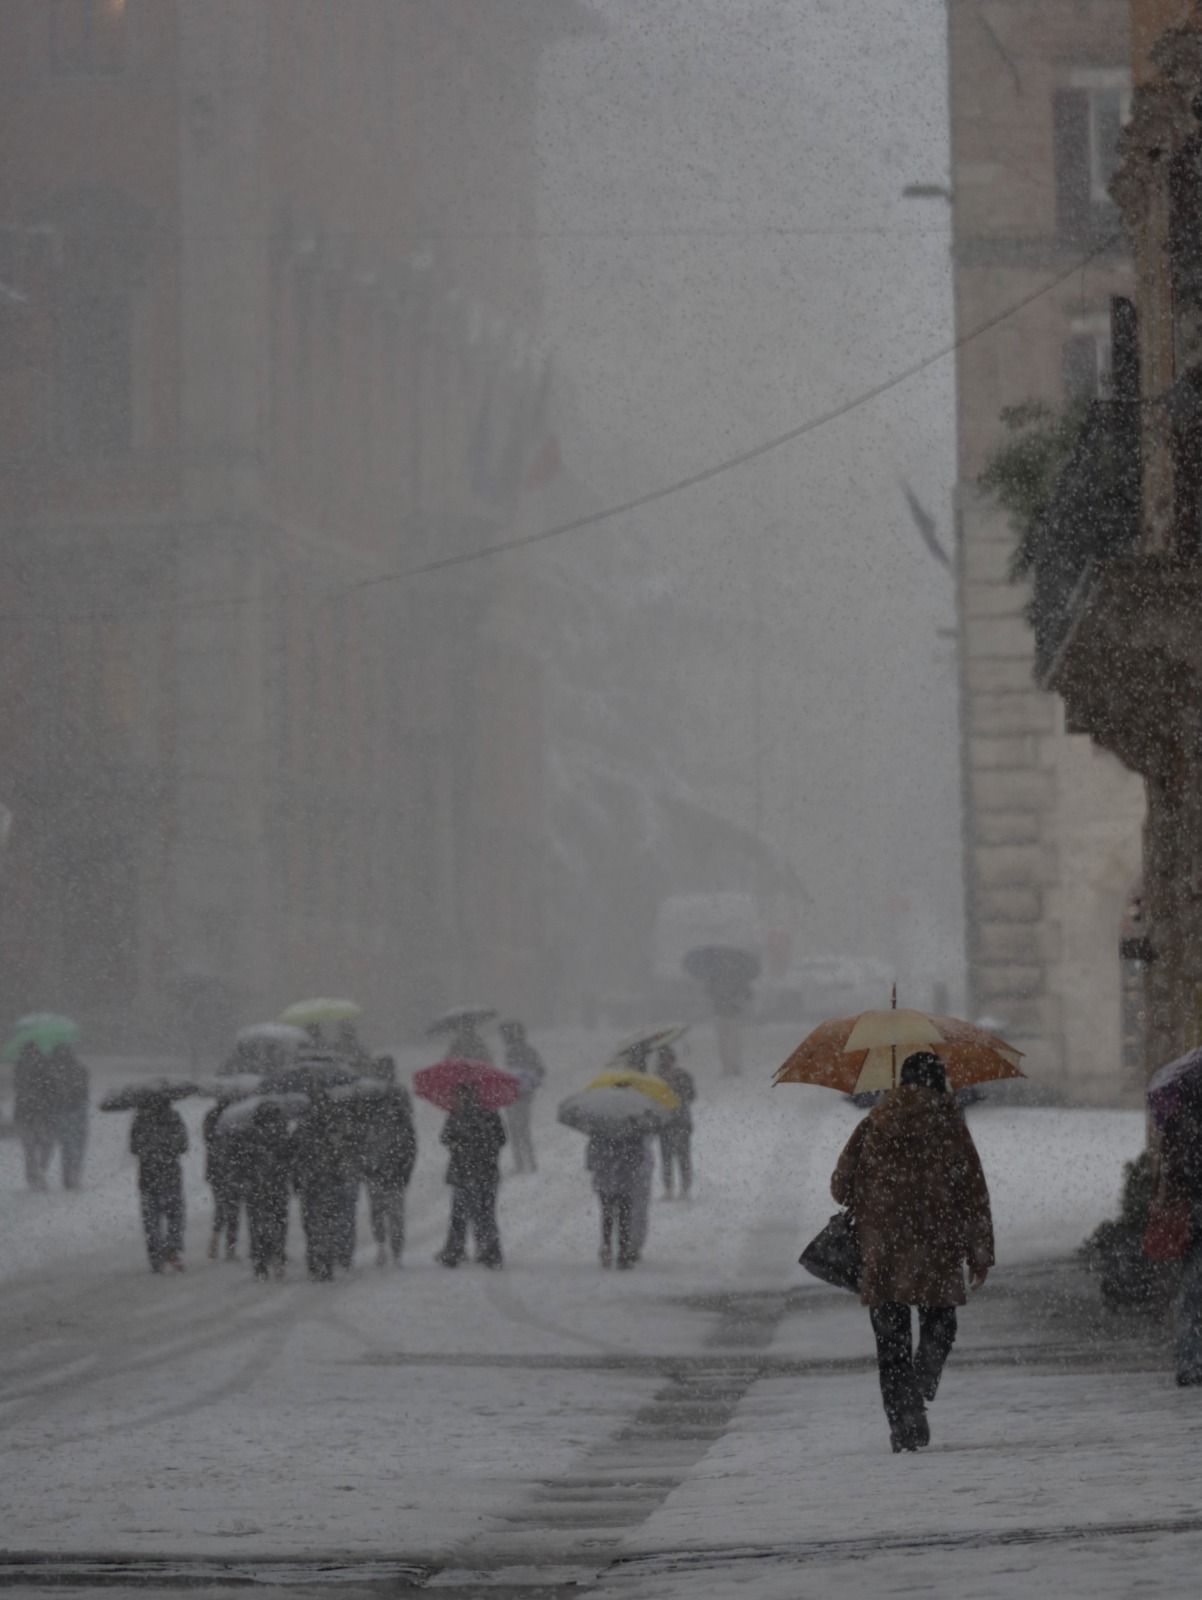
(912, 1104)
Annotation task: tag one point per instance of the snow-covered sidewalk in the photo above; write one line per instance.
(467, 1419)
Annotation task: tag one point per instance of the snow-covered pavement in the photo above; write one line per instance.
(709, 1423)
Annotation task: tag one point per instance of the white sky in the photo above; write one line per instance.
(725, 253)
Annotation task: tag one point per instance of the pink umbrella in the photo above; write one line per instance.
(494, 1087)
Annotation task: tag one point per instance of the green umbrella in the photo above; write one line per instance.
(41, 1028)
(321, 1010)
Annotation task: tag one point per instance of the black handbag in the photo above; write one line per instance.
(834, 1254)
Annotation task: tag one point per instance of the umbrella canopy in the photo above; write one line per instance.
(231, 1085)
(281, 1033)
(462, 1017)
(44, 1030)
(644, 1083)
(320, 1010)
(611, 1107)
(494, 1087)
(859, 1054)
(364, 1089)
(640, 1045)
(306, 1075)
(1166, 1083)
(240, 1115)
(151, 1091)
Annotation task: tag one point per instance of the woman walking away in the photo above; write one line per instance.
(268, 1170)
(157, 1140)
(911, 1174)
(475, 1138)
(676, 1135)
(388, 1160)
(1181, 1167)
(616, 1157)
(524, 1061)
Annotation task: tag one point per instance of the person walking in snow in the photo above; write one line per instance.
(33, 1113)
(267, 1190)
(319, 1174)
(617, 1158)
(475, 1138)
(1181, 1174)
(225, 1173)
(913, 1179)
(389, 1155)
(524, 1061)
(676, 1135)
(157, 1140)
(68, 1088)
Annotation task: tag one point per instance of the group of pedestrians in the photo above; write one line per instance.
(334, 1149)
(50, 1111)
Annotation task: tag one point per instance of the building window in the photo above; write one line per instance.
(1088, 116)
(87, 37)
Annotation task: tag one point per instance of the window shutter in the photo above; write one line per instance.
(1070, 133)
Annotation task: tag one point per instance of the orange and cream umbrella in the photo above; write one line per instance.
(858, 1055)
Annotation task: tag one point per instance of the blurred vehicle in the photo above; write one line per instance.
(825, 986)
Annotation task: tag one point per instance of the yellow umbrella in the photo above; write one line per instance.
(645, 1082)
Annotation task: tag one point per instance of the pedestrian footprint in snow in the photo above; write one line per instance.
(157, 1140)
(911, 1175)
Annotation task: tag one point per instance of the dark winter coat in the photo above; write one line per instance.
(391, 1145)
(616, 1160)
(475, 1138)
(682, 1086)
(68, 1084)
(268, 1156)
(912, 1176)
(33, 1097)
(1181, 1153)
(226, 1153)
(157, 1140)
(318, 1151)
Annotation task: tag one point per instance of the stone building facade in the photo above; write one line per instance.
(252, 360)
(1127, 659)
(1038, 91)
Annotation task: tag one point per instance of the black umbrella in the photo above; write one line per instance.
(151, 1091)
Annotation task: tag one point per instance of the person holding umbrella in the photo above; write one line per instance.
(157, 1140)
(319, 1173)
(475, 1137)
(615, 1157)
(525, 1063)
(268, 1169)
(676, 1135)
(33, 1112)
(226, 1167)
(911, 1175)
(389, 1155)
(69, 1097)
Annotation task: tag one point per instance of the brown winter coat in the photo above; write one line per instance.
(912, 1176)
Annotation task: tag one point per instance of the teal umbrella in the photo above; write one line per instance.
(44, 1029)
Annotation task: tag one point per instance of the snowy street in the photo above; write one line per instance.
(709, 1422)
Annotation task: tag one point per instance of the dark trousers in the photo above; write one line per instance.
(163, 1223)
(71, 1129)
(267, 1218)
(615, 1219)
(675, 1148)
(387, 1204)
(37, 1144)
(320, 1212)
(475, 1203)
(227, 1214)
(347, 1221)
(908, 1379)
